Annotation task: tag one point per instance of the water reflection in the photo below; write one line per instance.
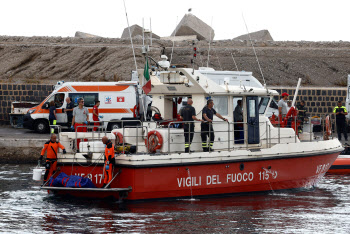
(25, 208)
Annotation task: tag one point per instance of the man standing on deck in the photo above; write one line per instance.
(80, 118)
(95, 114)
(207, 130)
(282, 106)
(51, 157)
(188, 113)
(69, 110)
(340, 113)
(109, 157)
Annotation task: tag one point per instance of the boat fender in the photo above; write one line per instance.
(118, 138)
(155, 141)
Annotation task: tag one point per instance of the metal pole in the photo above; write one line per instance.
(169, 138)
(310, 131)
(228, 133)
(322, 125)
(267, 139)
(295, 129)
(279, 132)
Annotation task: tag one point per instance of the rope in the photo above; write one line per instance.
(250, 39)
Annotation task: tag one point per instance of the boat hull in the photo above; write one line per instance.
(205, 179)
(340, 166)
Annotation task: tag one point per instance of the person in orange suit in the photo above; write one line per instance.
(109, 157)
(51, 156)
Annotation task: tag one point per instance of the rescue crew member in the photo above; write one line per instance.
(282, 106)
(69, 110)
(188, 113)
(109, 157)
(51, 157)
(95, 115)
(340, 113)
(207, 130)
(52, 115)
(80, 118)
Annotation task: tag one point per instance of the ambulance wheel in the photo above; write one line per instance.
(41, 126)
(112, 126)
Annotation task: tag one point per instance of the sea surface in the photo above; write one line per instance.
(26, 209)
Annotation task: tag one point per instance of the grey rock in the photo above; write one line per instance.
(191, 25)
(136, 30)
(262, 35)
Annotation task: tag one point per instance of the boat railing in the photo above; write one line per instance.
(228, 135)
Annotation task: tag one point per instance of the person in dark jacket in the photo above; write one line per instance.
(69, 110)
(51, 156)
(340, 113)
(207, 130)
(52, 115)
(188, 113)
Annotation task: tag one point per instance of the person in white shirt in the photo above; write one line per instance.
(282, 105)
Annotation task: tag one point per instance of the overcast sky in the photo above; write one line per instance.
(308, 20)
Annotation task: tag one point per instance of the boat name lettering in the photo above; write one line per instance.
(189, 181)
(238, 177)
(322, 168)
(267, 173)
(98, 177)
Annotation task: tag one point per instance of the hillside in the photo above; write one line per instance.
(49, 59)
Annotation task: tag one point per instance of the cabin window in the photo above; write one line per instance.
(252, 108)
(221, 104)
(263, 102)
(89, 98)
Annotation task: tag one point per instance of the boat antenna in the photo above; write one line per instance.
(211, 29)
(234, 61)
(172, 49)
(143, 32)
(250, 39)
(150, 28)
(132, 45)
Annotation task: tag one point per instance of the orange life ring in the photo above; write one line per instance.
(328, 126)
(154, 141)
(118, 138)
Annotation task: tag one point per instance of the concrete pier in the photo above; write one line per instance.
(18, 146)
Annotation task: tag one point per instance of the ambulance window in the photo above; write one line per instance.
(220, 104)
(59, 99)
(89, 98)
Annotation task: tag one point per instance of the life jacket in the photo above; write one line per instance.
(52, 149)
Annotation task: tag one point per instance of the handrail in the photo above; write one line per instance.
(269, 135)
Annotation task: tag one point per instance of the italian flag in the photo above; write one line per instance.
(148, 86)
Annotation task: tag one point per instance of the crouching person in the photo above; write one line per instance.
(109, 157)
(51, 156)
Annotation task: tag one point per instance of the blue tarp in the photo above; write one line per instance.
(73, 181)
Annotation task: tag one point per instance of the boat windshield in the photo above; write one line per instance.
(263, 102)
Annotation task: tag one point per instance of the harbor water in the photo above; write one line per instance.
(26, 209)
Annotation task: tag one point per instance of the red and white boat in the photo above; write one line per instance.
(342, 164)
(265, 158)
